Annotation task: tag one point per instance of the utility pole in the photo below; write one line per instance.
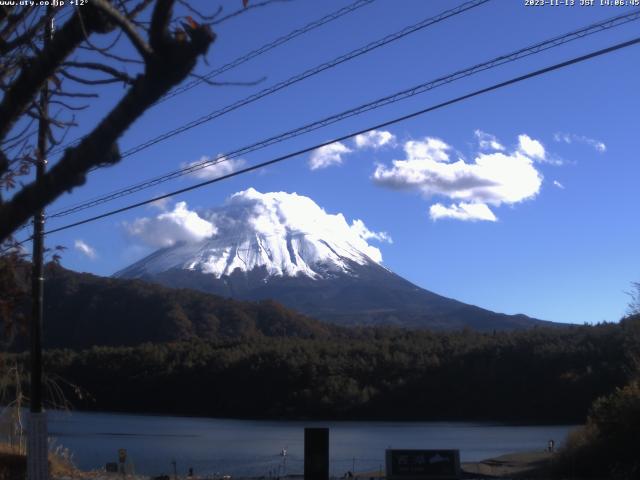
(37, 442)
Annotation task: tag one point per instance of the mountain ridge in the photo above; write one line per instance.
(370, 296)
(283, 246)
(82, 310)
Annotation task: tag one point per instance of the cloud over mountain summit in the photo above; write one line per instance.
(284, 232)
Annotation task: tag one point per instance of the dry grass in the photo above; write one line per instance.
(13, 463)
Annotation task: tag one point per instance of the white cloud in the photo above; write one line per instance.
(169, 228)
(161, 204)
(216, 167)
(432, 148)
(462, 211)
(558, 184)
(328, 155)
(333, 153)
(360, 229)
(486, 141)
(491, 179)
(569, 138)
(374, 139)
(531, 148)
(85, 249)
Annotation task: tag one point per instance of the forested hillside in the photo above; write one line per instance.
(82, 310)
(138, 347)
(539, 375)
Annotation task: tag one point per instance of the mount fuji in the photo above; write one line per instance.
(283, 246)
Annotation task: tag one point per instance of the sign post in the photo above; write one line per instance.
(316, 454)
(122, 459)
(38, 437)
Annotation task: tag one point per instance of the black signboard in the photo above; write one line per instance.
(427, 464)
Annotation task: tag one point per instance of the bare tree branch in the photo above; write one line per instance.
(127, 27)
(139, 8)
(99, 81)
(211, 17)
(26, 85)
(4, 165)
(169, 64)
(111, 55)
(246, 9)
(24, 38)
(74, 108)
(159, 36)
(166, 51)
(12, 23)
(60, 93)
(100, 67)
(19, 134)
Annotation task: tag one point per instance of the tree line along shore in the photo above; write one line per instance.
(540, 375)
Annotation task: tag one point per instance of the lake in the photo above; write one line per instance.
(252, 447)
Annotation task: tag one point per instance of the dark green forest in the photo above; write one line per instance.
(132, 346)
(129, 345)
(537, 375)
(82, 310)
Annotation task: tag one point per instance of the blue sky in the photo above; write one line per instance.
(553, 233)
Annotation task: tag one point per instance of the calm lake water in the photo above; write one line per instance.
(249, 447)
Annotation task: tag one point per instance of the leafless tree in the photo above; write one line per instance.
(633, 308)
(166, 39)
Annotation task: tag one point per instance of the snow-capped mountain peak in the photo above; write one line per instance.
(284, 247)
(285, 234)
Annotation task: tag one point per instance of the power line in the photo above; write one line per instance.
(265, 48)
(249, 56)
(306, 74)
(310, 73)
(459, 99)
(404, 94)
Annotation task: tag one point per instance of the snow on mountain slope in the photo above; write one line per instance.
(284, 233)
(284, 247)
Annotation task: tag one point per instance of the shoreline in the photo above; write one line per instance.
(480, 421)
(531, 465)
(536, 464)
